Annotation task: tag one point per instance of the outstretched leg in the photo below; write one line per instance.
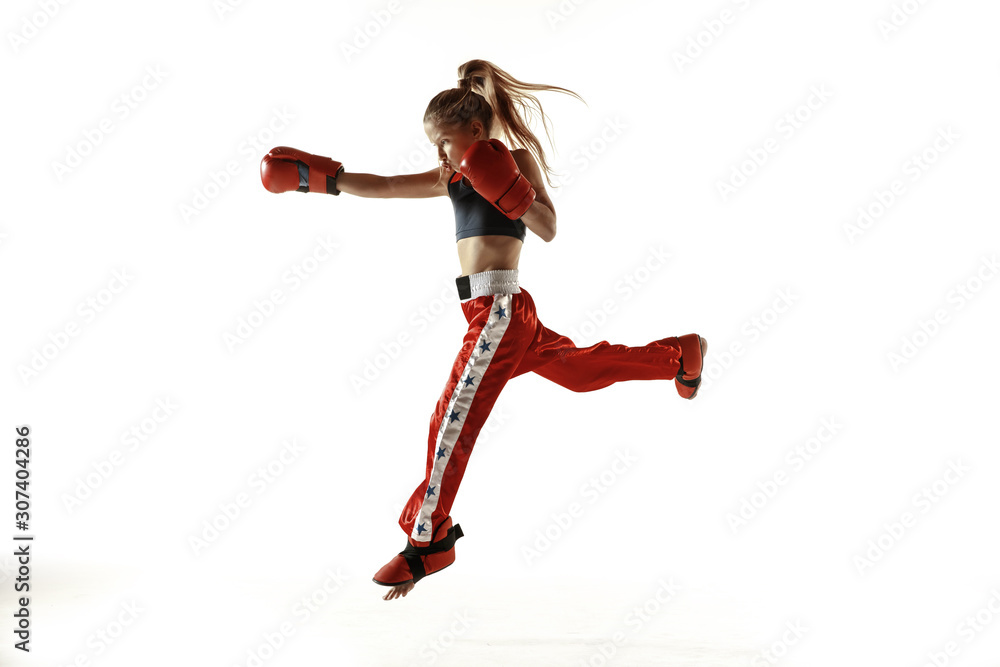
(556, 358)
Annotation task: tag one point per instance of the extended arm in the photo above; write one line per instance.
(285, 169)
(431, 183)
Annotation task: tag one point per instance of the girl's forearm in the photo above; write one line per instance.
(540, 219)
(362, 185)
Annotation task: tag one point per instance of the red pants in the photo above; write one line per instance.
(505, 339)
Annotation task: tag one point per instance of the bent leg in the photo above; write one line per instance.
(555, 357)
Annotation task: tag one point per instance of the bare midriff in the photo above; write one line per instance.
(487, 253)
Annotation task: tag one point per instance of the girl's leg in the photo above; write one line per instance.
(556, 358)
(501, 327)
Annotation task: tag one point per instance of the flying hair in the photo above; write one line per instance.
(503, 104)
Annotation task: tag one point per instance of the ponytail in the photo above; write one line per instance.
(488, 94)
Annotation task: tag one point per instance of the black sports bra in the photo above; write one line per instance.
(474, 216)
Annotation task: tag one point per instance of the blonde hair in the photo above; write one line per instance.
(487, 93)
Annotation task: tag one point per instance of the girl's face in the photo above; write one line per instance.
(452, 141)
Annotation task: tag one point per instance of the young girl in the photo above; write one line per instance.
(497, 195)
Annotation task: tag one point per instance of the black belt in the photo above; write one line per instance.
(464, 288)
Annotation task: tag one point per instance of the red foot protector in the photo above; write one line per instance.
(693, 348)
(414, 563)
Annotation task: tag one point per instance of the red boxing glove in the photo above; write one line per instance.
(285, 169)
(491, 169)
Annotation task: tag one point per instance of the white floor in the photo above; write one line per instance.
(448, 619)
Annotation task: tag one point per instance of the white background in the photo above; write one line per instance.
(815, 310)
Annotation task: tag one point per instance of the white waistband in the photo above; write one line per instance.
(485, 283)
